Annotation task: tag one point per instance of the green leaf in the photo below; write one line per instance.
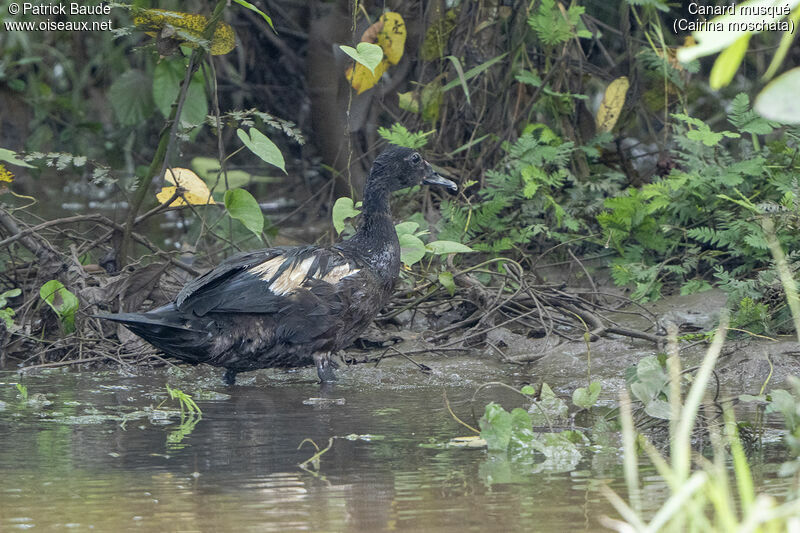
(748, 121)
(408, 226)
(778, 101)
(167, 79)
(131, 97)
(448, 247)
(474, 71)
(253, 8)
(694, 286)
(520, 423)
(446, 279)
(408, 101)
(7, 316)
(554, 25)
(495, 427)
(658, 409)
(528, 390)
(208, 169)
(728, 62)
(400, 136)
(750, 398)
(4, 297)
(586, 397)
(9, 156)
(412, 249)
(63, 302)
(368, 54)
(259, 144)
(460, 71)
(703, 133)
(342, 210)
(243, 207)
(531, 78)
(548, 407)
(782, 401)
(649, 381)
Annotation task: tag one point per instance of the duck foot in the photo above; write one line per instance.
(229, 377)
(325, 367)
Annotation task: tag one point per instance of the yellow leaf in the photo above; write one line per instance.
(363, 79)
(390, 34)
(392, 37)
(196, 190)
(408, 101)
(431, 98)
(5, 174)
(612, 103)
(192, 26)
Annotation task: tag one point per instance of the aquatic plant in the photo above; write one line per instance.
(704, 498)
(186, 402)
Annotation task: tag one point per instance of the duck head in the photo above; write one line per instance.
(398, 168)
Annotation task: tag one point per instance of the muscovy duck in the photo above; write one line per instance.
(291, 306)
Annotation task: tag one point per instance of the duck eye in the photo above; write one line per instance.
(416, 159)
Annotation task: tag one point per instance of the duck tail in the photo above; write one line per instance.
(167, 329)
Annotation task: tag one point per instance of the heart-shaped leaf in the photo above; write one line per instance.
(368, 54)
(243, 207)
(495, 427)
(259, 144)
(585, 397)
(408, 226)
(412, 249)
(343, 209)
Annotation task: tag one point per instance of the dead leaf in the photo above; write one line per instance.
(136, 287)
(363, 79)
(611, 106)
(196, 190)
(392, 37)
(5, 174)
(187, 28)
(389, 32)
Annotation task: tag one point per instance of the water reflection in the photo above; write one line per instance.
(97, 458)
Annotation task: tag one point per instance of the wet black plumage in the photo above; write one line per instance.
(291, 306)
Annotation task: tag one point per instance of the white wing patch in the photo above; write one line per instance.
(338, 273)
(292, 278)
(267, 269)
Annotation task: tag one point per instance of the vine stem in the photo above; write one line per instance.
(168, 137)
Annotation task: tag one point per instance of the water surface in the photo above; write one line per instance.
(94, 451)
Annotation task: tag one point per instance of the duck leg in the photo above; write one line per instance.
(324, 367)
(229, 377)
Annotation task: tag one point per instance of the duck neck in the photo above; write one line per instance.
(375, 240)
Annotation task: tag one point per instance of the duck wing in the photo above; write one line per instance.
(284, 280)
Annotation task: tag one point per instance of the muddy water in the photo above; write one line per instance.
(106, 451)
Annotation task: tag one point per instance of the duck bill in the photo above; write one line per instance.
(433, 178)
